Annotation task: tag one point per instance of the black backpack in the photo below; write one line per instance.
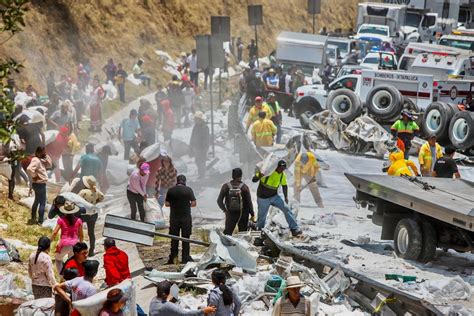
(235, 198)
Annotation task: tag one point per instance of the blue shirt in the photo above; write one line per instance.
(90, 165)
(129, 128)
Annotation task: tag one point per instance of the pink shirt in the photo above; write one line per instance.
(69, 233)
(41, 272)
(137, 183)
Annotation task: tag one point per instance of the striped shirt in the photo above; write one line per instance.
(285, 307)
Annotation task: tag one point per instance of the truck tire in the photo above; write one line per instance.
(436, 119)
(384, 102)
(345, 104)
(428, 247)
(461, 130)
(407, 239)
(308, 106)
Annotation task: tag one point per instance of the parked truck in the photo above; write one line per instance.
(419, 215)
(306, 51)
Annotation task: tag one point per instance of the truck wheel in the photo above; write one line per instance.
(384, 102)
(345, 104)
(407, 239)
(307, 106)
(428, 247)
(436, 119)
(461, 130)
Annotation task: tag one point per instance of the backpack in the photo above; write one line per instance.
(235, 198)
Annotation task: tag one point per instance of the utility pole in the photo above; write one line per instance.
(256, 45)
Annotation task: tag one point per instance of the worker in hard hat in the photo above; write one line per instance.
(263, 131)
(307, 168)
(276, 117)
(400, 166)
(429, 153)
(253, 113)
(405, 129)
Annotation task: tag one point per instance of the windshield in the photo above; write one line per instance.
(371, 60)
(331, 52)
(413, 19)
(343, 47)
(457, 43)
(373, 30)
(306, 69)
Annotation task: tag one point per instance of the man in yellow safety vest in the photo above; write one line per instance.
(253, 113)
(263, 131)
(307, 168)
(430, 152)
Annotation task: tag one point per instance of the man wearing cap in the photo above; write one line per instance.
(92, 195)
(115, 263)
(267, 195)
(276, 117)
(236, 202)
(257, 108)
(429, 153)
(272, 82)
(445, 167)
(199, 142)
(307, 168)
(136, 190)
(405, 129)
(263, 131)
(292, 302)
(180, 199)
(128, 131)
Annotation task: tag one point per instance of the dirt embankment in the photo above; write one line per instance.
(61, 33)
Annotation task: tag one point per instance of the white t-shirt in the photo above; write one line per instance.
(192, 61)
(80, 288)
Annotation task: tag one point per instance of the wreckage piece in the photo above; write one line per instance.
(229, 250)
(368, 288)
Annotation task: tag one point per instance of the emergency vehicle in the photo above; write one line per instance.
(414, 49)
(385, 93)
(463, 39)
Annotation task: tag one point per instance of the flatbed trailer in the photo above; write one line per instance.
(419, 214)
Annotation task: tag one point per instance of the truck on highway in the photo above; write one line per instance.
(306, 51)
(419, 215)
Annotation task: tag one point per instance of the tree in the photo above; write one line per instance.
(12, 21)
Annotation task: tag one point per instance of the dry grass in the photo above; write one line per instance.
(59, 34)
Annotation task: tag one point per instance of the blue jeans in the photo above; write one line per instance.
(40, 200)
(276, 201)
(162, 196)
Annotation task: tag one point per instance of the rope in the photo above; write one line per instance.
(379, 307)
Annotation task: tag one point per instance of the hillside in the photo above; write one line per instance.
(61, 33)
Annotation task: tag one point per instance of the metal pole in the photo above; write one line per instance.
(192, 241)
(211, 75)
(220, 88)
(314, 27)
(256, 44)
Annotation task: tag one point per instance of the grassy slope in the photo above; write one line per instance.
(60, 33)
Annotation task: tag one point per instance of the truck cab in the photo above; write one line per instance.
(463, 39)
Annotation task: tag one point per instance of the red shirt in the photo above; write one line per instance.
(116, 266)
(74, 264)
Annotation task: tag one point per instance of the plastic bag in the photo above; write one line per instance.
(39, 307)
(91, 306)
(153, 214)
(5, 169)
(110, 91)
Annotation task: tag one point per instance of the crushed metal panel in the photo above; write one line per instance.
(129, 230)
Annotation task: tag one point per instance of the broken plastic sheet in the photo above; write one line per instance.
(229, 250)
(151, 152)
(329, 125)
(449, 289)
(39, 307)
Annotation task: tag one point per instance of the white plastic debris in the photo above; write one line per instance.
(452, 289)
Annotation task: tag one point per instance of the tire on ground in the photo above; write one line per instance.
(429, 242)
(308, 106)
(345, 104)
(384, 102)
(461, 130)
(436, 119)
(407, 239)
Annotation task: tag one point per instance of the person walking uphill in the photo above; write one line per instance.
(136, 190)
(128, 131)
(37, 169)
(236, 202)
(89, 164)
(199, 143)
(180, 199)
(276, 117)
(267, 195)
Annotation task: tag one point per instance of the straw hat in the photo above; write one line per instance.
(200, 115)
(69, 208)
(294, 282)
(89, 181)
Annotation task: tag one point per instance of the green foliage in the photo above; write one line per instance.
(12, 13)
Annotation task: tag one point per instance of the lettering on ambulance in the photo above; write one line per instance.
(367, 82)
(396, 76)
